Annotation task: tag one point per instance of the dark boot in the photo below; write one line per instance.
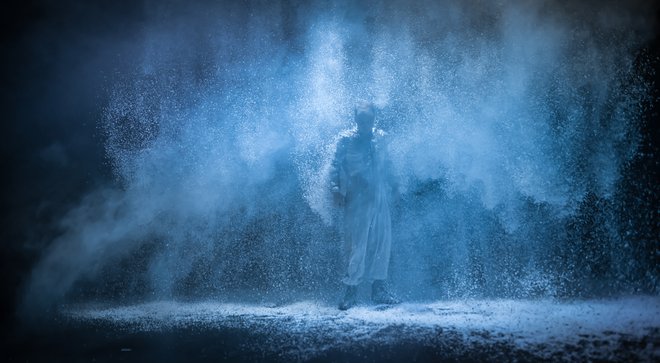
(350, 298)
(380, 294)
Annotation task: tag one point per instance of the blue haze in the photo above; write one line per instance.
(509, 120)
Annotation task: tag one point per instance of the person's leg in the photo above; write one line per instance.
(380, 294)
(350, 297)
(381, 237)
(381, 240)
(356, 233)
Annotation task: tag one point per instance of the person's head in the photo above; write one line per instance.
(365, 114)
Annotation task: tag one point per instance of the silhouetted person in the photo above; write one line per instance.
(361, 182)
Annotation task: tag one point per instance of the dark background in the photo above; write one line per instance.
(55, 75)
(59, 60)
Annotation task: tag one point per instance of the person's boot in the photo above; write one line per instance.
(380, 294)
(350, 298)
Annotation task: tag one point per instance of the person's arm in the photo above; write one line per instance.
(392, 180)
(336, 186)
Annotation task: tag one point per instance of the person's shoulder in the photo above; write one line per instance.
(346, 136)
(381, 136)
(381, 139)
(348, 133)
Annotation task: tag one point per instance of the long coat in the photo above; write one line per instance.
(361, 175)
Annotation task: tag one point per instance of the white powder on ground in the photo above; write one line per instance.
(543, 327)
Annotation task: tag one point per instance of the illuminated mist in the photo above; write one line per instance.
(512, 126)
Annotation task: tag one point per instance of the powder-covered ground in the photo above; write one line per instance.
(617, 329)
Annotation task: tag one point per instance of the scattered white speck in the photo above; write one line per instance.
(543, 326)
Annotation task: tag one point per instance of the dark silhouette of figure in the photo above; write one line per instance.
(361, 182)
